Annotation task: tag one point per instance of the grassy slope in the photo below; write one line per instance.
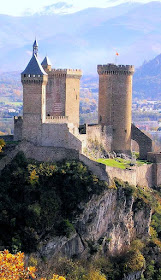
(120, 163)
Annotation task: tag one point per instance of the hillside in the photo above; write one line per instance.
(147, 80)
(75, 224)
(90, 36)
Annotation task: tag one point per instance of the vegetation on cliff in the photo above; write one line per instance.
(40, 199)
(2, 144)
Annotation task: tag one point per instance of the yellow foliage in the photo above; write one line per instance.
(153, 233)
(157, 242)
(12, 267)
(136, 261)
(33, 177)
(2, 144)
(55, 277)
(95, 275)
(137, 245)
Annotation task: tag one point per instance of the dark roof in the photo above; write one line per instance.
(46, 61)
(34, 67)
(35, 43)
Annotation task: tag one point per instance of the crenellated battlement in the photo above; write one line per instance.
(33, 79)
(113, 69)
(18, 118)
(66, 72)
(59, 119)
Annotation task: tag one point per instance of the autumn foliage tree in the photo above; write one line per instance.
(12, 266)
(2, 144)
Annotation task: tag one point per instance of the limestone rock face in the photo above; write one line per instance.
(108, 222)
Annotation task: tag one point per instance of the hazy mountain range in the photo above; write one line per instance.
(146, 81)
(82, 39)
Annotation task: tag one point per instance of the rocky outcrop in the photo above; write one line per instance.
(108, 223)
(134, 276)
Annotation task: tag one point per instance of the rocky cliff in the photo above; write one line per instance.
(54, 211)
(109, 222)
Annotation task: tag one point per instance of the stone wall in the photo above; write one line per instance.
(96, 168)
(157, 174)
(145, 175)
(128, 175)
(18, 124)
(138, 175)
(45, 154)
(7, 159)
(48, 154)
(58, 135)
(100, 134)
(154, 157)
(144, 142)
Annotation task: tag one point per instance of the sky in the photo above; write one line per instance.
(20, 7)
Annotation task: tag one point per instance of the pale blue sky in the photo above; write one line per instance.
(19, 7)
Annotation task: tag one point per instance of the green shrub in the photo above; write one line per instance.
(42, 198)
(2, 144)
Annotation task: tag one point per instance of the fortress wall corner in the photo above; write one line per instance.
(18, 124)
(58, 135)
(100, 134)
(144, 175)
(126, 175)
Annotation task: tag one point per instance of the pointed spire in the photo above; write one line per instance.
(46, 62)
(34, 67)
(35, 47)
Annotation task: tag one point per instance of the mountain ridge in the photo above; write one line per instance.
(85, 38)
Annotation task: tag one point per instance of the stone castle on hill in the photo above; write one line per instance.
(51, 108)
(49, 129)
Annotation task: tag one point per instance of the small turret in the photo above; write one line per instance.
(46, 64)
(34, 68)
(35, 48)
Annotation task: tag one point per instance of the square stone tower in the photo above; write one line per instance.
(34, 80)
(115, 103)
(62, 92)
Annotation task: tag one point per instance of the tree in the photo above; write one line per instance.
(12, 267)
(2, 144)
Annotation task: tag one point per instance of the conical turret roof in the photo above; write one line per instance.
(46, 62)
(34, 67)
(35, 44)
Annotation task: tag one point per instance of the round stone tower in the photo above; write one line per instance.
(115, 103)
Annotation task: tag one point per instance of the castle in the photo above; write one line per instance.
(49, 129)
(51, 108)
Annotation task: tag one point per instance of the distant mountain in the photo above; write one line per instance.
(82, 39)
(147, 80)
(57, 8)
